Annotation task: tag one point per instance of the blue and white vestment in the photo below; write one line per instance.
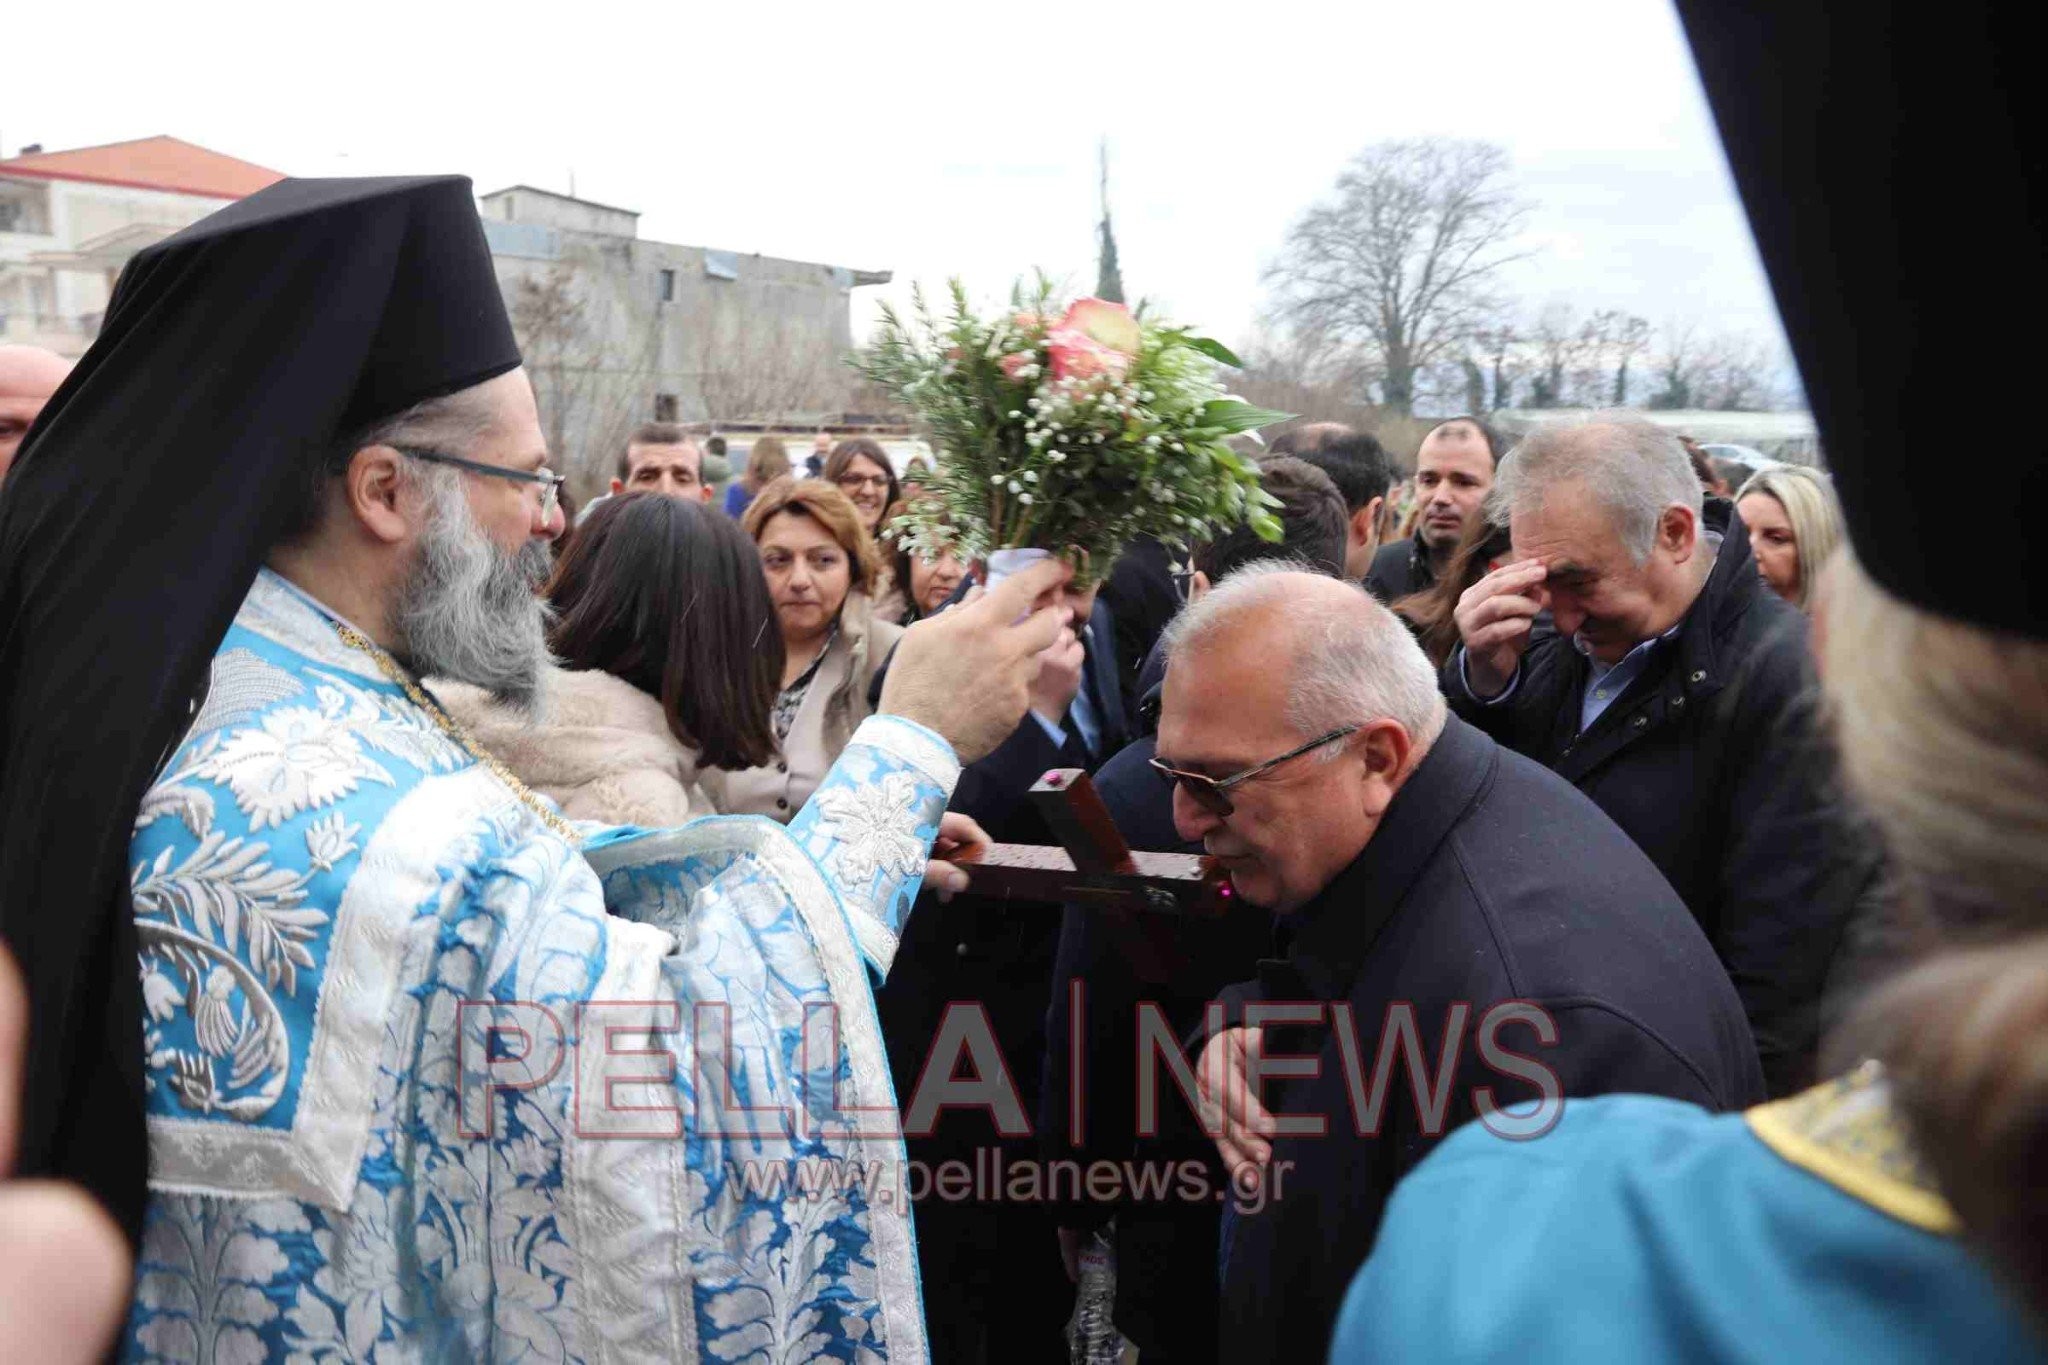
(344, 917)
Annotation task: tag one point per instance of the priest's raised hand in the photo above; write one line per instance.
(967, 673)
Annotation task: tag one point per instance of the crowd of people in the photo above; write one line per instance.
(453, 924)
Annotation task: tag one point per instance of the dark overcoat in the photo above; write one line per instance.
(1490, 887)
(1715, 762)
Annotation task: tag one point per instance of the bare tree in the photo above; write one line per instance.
(1400, 261)
(1622, 337)
(1678, 366)
(1727, 371)
(1568, 358)
(762, 366)
(1500, 345)
(1735, 375)
(1307, 372)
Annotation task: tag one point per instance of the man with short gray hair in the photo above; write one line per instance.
(1677, 694)
(1423, 881)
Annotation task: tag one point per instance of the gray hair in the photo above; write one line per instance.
(1632, 466)
(1350, 667)
(468, 610)
(453, 423)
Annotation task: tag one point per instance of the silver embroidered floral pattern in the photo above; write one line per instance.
(224, 890)
(330, 839)
(875, 827)
(293, 759)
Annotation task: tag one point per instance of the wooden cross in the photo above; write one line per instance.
(1094, 866)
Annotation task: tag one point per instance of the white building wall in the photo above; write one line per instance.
(59, 304)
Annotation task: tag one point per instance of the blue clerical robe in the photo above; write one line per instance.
(1645, 1229)
(427, 1080)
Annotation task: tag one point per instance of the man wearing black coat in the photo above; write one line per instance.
(1677, 693)
(1452, 920)
(1165, 1251)
(1454, 469)
(1004, 1293)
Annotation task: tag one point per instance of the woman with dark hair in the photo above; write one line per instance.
(1431, 613)
(820, 566)
(860, 468)
(670, 662)
(926, 581)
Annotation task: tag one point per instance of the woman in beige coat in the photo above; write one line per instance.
(820, 565)
(670, 663)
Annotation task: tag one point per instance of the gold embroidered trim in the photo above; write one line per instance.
(1846, 1133)
(355, 639)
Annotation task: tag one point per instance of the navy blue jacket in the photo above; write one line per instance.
(1489, 880)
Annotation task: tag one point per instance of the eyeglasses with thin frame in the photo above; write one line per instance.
(863, 481)
(549, 481)
(1213, 793)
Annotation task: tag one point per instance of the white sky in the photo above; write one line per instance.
(948, 138)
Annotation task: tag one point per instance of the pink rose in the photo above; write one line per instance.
(1076, 355)
(1013, 363)
(1107, 324)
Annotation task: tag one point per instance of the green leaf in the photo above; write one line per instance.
(1230, 416)
(1213, 349)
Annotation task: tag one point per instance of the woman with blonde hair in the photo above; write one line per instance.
(1795, 526)
(766, 462)
(821, 566)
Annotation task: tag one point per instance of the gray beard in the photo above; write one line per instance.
(468, 610)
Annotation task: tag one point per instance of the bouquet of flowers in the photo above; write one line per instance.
(1068, 431)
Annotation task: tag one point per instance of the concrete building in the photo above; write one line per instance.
(70, 220)
(617, 330)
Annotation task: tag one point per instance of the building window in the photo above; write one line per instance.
(668, 286)
(664, 403)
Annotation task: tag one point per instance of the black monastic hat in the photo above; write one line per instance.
(160, 475)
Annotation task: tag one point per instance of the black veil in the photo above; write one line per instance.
(1893, 178)
(234, 354)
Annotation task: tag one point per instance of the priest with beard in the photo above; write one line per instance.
(367, 1048)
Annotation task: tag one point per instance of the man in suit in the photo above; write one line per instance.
(1450, 918)
(1165, 1253)
(1006, 1295)
(1454, 469)
(1678, 694)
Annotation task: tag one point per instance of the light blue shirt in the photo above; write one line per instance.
(1604, 682)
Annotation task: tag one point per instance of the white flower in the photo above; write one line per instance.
(160, 994)
(213, 1023)
(1024, 498)
(875, 826)
(330, 839)
(294, 758)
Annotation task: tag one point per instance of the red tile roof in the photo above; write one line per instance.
(150, 163)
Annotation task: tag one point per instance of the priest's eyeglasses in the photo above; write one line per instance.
(1213, 793)
(549, 481)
